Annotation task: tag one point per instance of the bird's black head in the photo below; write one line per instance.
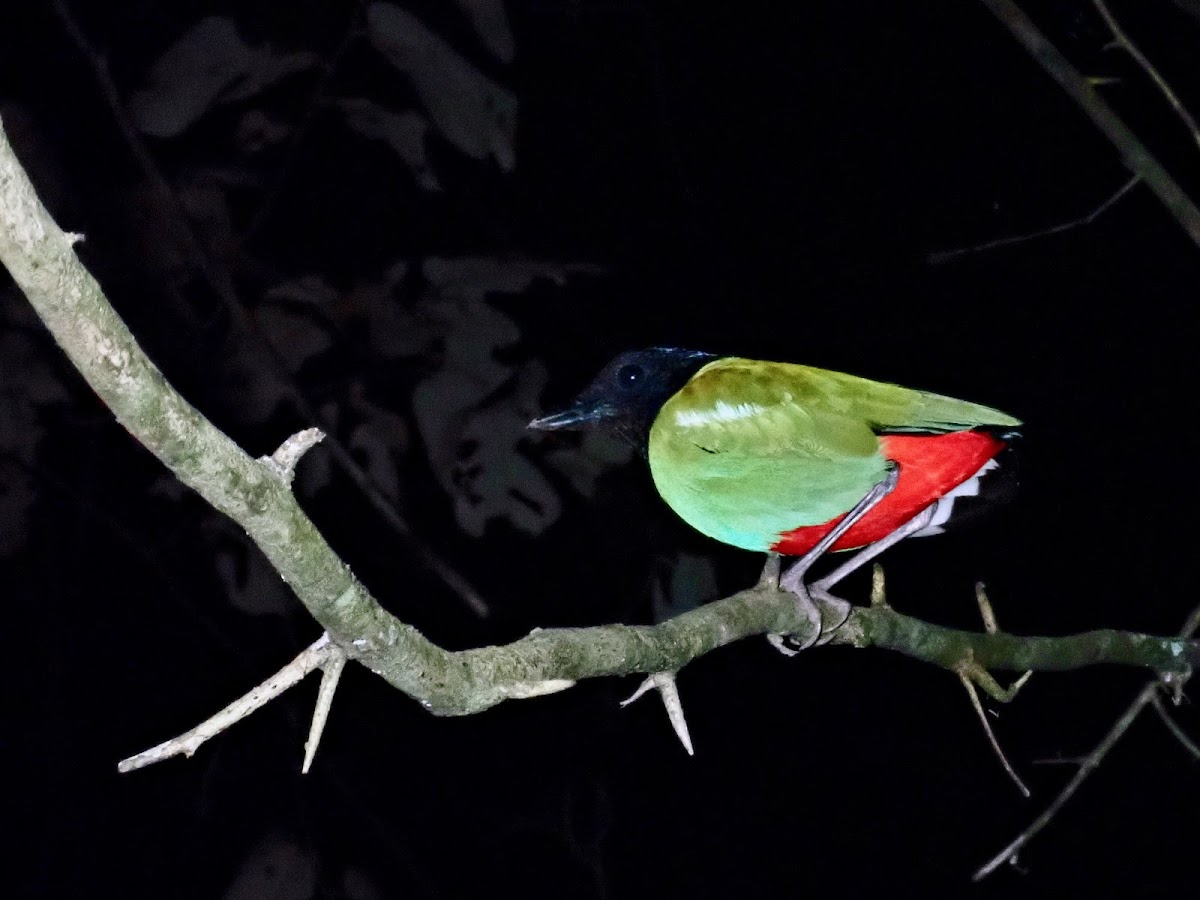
(628, 393)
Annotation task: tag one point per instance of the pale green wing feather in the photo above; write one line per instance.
(740, 459)
(748, 450)
(886, 407)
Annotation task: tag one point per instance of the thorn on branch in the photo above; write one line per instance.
(878, 586)
(664, 683)
(769, 580)
(524, 690)
(985, 609)
(283, 461)
(331, 673)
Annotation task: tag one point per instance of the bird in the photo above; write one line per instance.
(793, 460)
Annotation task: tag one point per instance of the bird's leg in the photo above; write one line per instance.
(819, 590)
(793, 579)
(838, 610)
(868, 553)
(795, 575)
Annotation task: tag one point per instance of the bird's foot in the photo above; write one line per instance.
(834, 612)
(807, 609)
(824, 613)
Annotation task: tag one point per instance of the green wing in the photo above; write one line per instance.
(748, 450)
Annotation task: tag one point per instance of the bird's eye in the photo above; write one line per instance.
(629, 375)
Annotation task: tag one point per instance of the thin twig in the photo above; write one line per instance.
(944, 256)
(1059, 761)
(1188, 744)
(1088, 763)
(1086, 766)
(1133, 152)
(189, 742)
(970, 673)
(991, 735)
(316, 101)
(1140, 58)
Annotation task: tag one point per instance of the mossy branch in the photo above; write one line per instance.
(950, 648)
(256, 494)
(1134, 153)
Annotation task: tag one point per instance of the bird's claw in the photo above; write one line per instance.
(806, 607)
(824, 612)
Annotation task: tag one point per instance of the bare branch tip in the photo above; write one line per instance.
(284, 460)
(990, 625)
(524, 690)
(878, 586)
(991, 736)
(186, 744)
(769, 579)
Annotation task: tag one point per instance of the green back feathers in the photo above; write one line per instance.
(747, 450)
(885, 407)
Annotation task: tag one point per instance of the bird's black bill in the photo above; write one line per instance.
(578, 416)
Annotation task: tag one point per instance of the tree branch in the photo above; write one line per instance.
(188, 743)
(256, 495)
(1127, 44)
(1134, 154)
(1087, 765)
(938, 257)
(1149, 695)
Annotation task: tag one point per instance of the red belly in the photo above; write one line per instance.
(931, 465)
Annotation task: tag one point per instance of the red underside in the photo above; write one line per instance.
(931, 465)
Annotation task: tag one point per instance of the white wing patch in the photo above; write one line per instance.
(945, 505)
(722, 412)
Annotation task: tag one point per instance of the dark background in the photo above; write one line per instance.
(759, 179)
